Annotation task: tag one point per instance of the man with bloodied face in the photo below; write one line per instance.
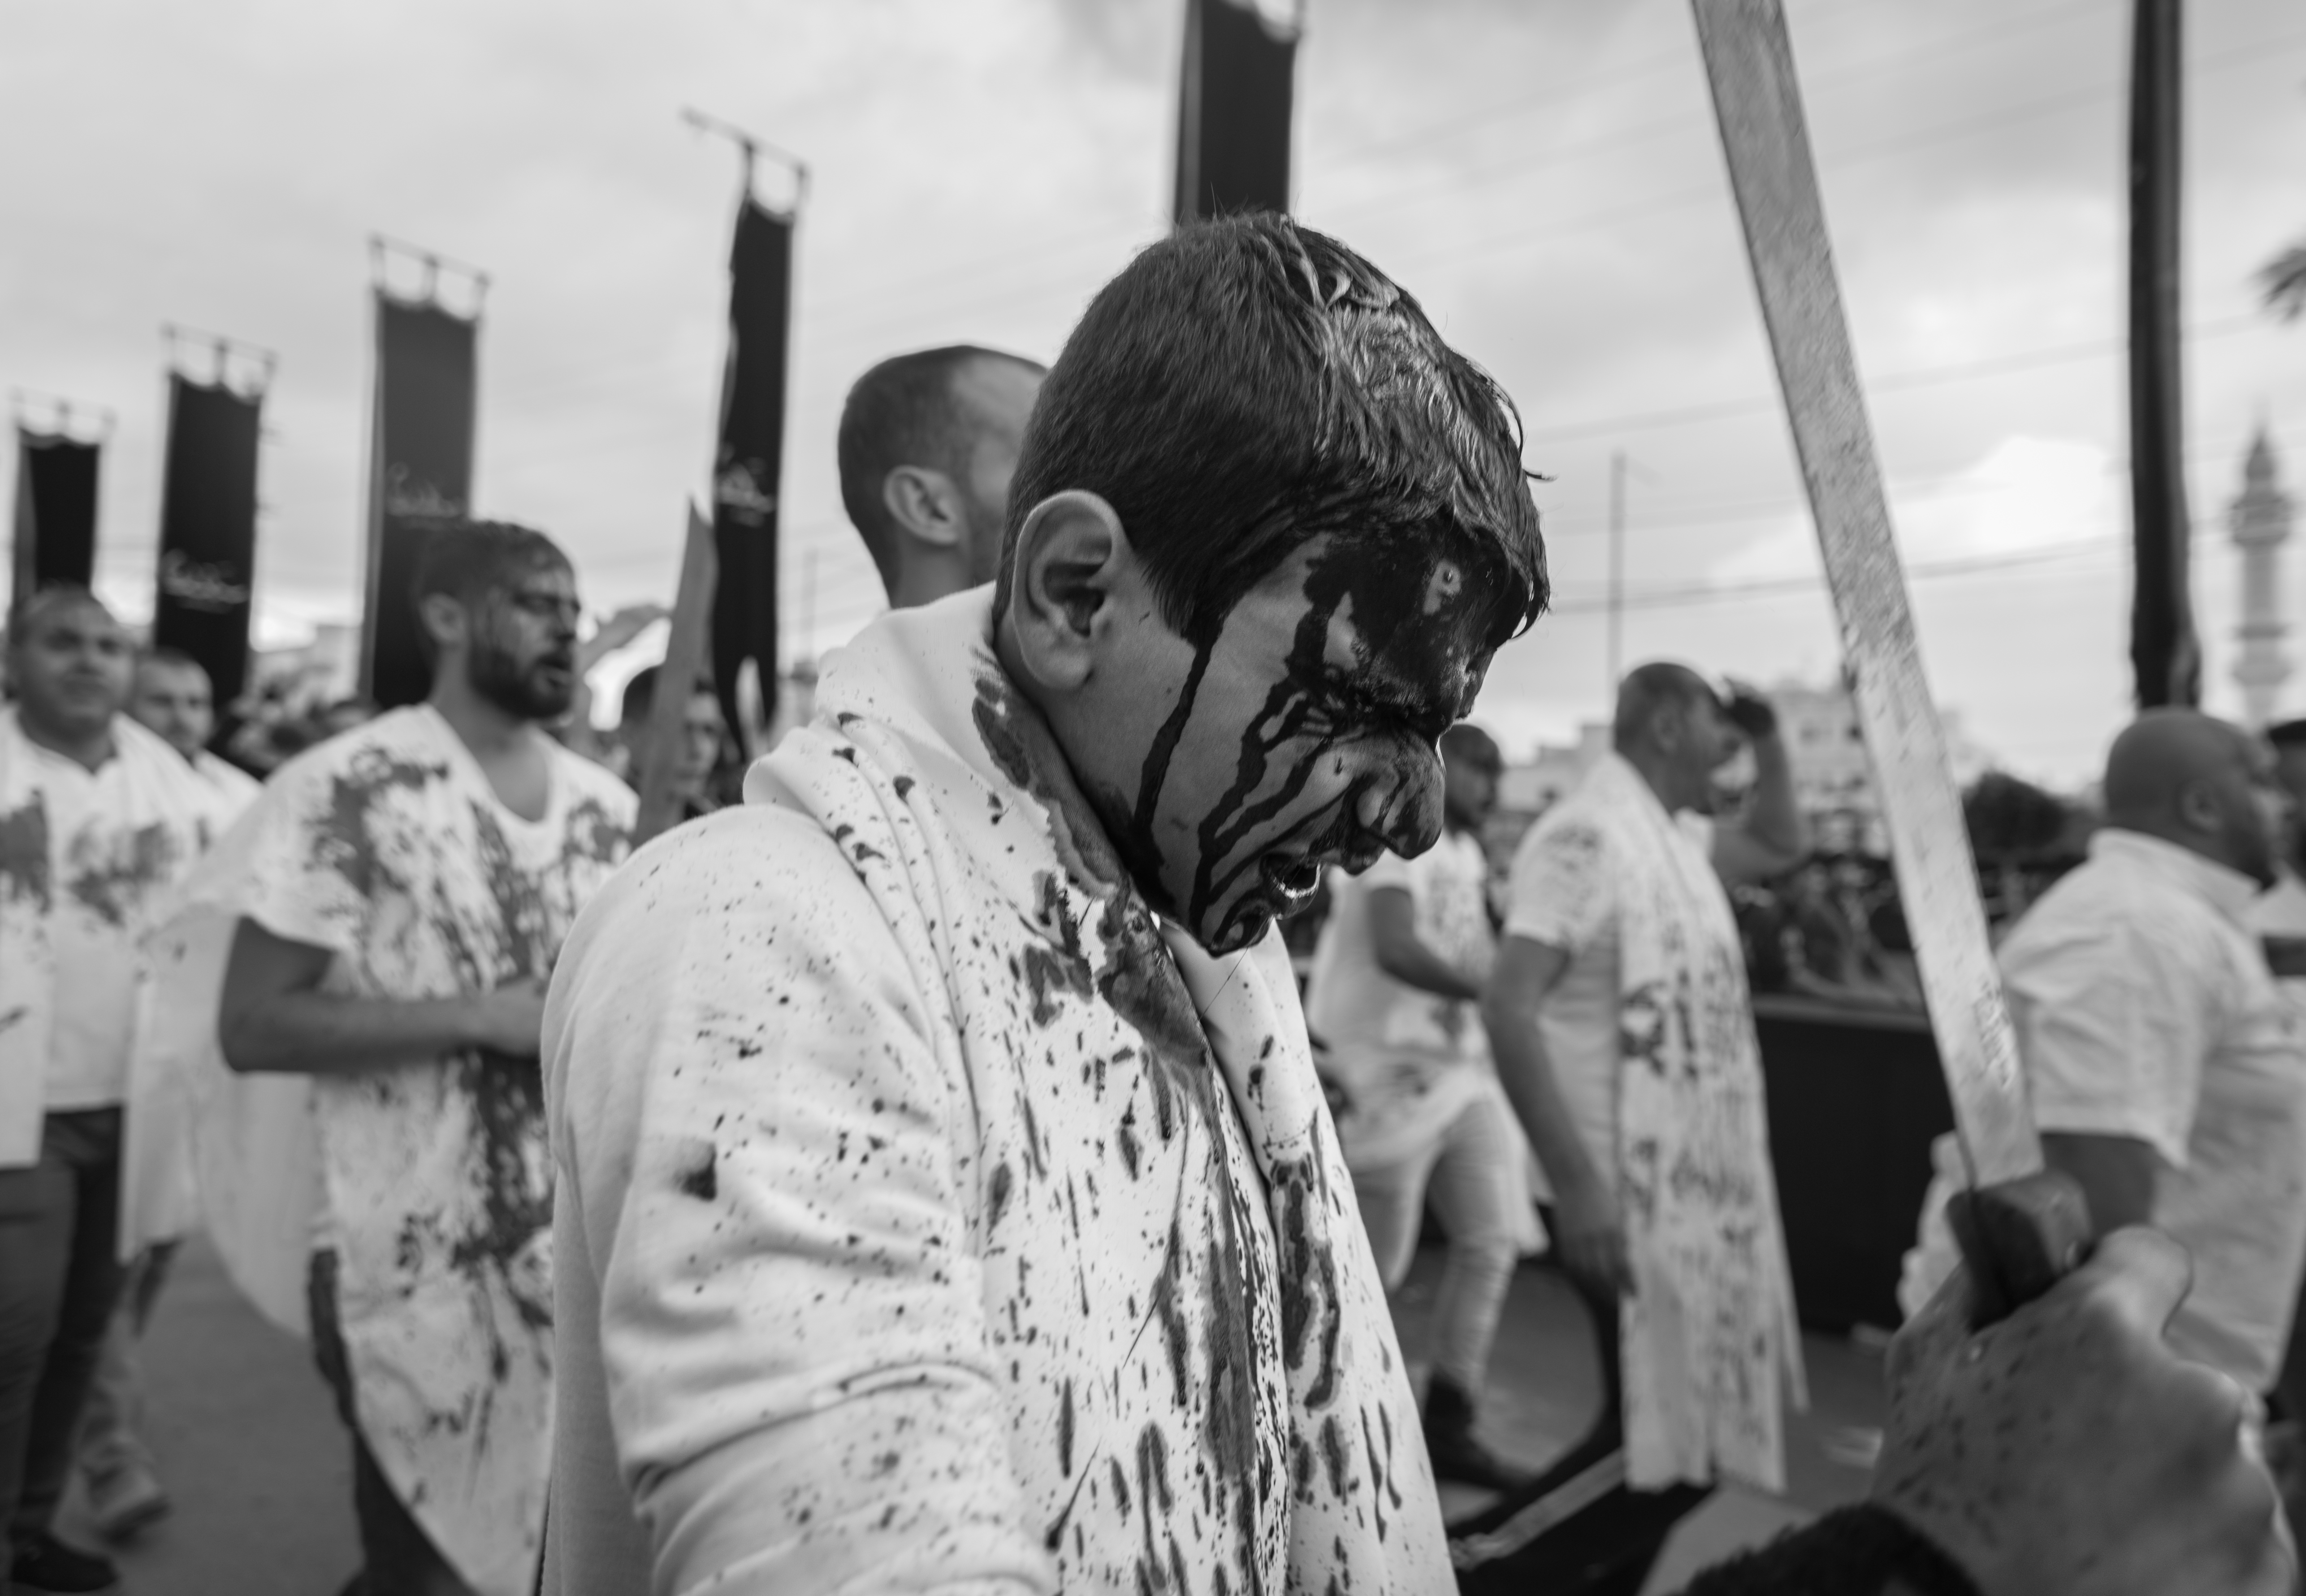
(947, 1202)
(393, 905)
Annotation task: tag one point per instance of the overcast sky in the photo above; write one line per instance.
(1542, 173)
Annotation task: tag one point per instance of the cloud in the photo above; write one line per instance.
(1542, 173)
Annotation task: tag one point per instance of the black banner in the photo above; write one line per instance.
(208, 530)
(420, 475)
(55, 534)
(750, 458)
(1234, 111)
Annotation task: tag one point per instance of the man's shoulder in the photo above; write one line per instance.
(755, 878)
(1573, 829)
(411, 735)
(756, 859)
(2109, 915)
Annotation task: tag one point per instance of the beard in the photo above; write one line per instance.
(524, 689)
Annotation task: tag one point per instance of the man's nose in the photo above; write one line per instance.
(1404, 805)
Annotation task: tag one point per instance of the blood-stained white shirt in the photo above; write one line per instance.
(1406, 1062)
(2144, 1010)
(387, 848)
(931, 1219)
(86, 857)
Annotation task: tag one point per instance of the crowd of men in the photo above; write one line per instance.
(922, 1175)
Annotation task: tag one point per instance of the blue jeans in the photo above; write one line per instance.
(59, 1278)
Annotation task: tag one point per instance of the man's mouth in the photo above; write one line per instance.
(1291, 880)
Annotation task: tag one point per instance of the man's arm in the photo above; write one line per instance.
(274, 1019)
(1585, 1226)
(773, 1164)
(1771, 837)
(1393, 938)
(2115, 1030)
(2116, 1174)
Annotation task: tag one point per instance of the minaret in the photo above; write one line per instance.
(2260, 521)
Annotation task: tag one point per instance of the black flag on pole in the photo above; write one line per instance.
(420, 475)
(2165, 650)
(750, 458)
(1234, 110)
(55, 533)
(208, 529)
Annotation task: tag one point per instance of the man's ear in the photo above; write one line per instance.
(1071, 558)
(925, 505)
(441, 615)
(2199, 806)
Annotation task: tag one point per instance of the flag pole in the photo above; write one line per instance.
(752, 147)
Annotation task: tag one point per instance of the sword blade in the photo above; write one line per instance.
(1758, 103)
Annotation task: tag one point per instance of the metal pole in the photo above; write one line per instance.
(1617, 567)
(2163, 649)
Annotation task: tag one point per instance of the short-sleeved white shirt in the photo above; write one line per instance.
(1567, 898)
(1350, 1000)
(1406, 1060)
(98, 847)
(2144, 1010)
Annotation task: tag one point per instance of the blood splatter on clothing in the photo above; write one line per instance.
(387, 848)
(951, 1219)
(85, 858)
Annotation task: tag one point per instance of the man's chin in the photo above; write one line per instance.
(1240, 924)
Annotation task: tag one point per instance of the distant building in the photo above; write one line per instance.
(1833, 775)
(2260, 520)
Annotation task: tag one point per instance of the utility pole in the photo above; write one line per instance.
(2165, 653)
(1617, 569)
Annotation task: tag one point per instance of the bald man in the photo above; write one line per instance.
(1624, 1034)
(928, 442)
(2165, 1070)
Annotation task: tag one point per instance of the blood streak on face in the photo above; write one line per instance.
(1303, 733)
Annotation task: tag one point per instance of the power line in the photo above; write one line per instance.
(2259, 53)
(1699, 593)
(1892, 381)
(1521, 164)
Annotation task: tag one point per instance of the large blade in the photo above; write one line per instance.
(1758, 104)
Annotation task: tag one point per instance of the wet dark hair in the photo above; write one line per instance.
(1247, 385)
(904, 411)
(466, 560)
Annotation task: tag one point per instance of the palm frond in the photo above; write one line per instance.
(2284, 280)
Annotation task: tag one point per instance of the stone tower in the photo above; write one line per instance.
(2261, 522)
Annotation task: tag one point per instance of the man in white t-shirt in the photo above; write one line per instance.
(172, 697)
(1624, 1034)
(397, 897)
(98, 818)
(1394, 1003)
(2165, 1064)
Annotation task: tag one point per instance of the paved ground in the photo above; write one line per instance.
(251, 1451)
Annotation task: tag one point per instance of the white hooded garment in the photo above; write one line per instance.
(932, 1218)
